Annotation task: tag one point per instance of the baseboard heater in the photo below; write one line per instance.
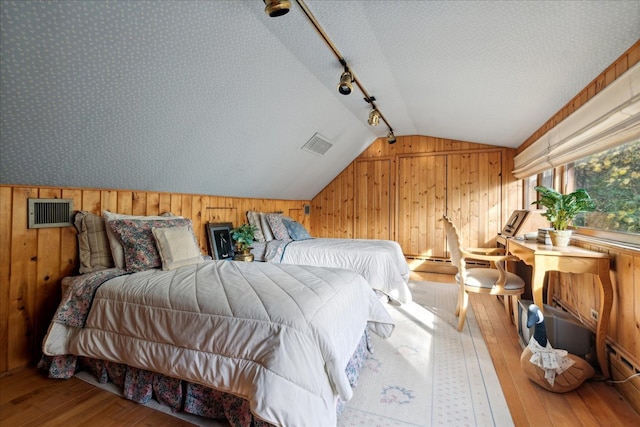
(444, 261)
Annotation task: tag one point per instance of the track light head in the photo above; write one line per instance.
(275, 8)
(391, 138)
(345, 87)
(374, 117)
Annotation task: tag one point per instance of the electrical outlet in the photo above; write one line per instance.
(594, 314)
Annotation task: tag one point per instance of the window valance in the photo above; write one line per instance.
(610, 118)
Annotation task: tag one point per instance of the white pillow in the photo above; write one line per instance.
(176, 246)
(117, 251)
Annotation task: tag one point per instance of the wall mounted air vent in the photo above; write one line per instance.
(317, 145)
(45, 213)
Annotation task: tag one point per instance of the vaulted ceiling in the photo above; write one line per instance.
(216, 97)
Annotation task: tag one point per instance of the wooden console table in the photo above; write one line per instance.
(569, 259)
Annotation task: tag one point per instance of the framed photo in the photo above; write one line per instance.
(220, 244)
(515, 222)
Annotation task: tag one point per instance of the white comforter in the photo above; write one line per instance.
(277, 335)
(380, 262)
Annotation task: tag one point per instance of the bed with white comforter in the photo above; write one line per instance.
(277, 335)
(380, 262)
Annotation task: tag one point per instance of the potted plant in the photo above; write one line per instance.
(243, 236)
(561, 209)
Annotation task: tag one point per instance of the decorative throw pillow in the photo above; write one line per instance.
(254, 219)
(93, 243)
(295, 229)
(277, 226)
(176, 246)
(136, 236)
(117, 252)
(266, 228)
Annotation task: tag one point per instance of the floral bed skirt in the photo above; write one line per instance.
(141, 386)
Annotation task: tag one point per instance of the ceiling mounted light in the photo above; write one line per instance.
(275, 8)
(391, 138)
(374, 117)
(345, 87)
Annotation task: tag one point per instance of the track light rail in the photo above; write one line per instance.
(368, 98)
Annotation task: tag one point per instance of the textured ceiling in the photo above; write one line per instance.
(217, 98)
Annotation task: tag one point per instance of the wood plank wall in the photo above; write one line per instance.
(400, 192)
(34, 261)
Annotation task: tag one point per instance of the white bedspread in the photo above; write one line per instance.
(380, 262)
(277, 335)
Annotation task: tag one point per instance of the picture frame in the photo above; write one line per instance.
(220, 243)
(516, 220)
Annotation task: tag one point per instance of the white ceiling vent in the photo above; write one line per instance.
(50, 213)
(317, 145)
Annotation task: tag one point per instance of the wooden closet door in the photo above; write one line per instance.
(373, 199)
(422, 194)
(473, 196)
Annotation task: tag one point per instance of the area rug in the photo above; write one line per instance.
(426, 374)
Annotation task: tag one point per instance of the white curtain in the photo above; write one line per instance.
(610, 118)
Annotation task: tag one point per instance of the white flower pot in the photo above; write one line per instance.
(560, 237)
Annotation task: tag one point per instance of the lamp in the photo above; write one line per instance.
(391, 138)
(275, 8)
(345, 87)
(374, 117)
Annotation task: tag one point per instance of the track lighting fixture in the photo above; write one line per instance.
(391, 138)
(374, 117)
(345, 87)
(276, 8)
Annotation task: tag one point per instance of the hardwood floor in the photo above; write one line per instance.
(594, 403)
(29, 398)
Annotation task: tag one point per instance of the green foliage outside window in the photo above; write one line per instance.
(612, 179)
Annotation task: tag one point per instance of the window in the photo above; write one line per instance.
(612, 179)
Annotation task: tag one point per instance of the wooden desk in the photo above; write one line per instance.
(569, 259)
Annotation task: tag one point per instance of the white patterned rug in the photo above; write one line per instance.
(427, 373)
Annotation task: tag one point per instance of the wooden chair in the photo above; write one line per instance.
(493, 281)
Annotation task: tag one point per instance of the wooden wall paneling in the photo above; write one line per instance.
(24, 252)
(422, 188)
(109, 201)
(404, 192)
(125, 202)
(47, 262)
(91, 201)
(6, 198)
(69, 238)
(454, 189)
(635, 297)
(138, 203)
(628, 298)
(373, 201)
(153, 204)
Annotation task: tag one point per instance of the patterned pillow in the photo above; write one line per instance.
(254, 219)
(93, 243)
(295, 229)
(136, 236)
(266, 228)
(277, 226)
(117, 252)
